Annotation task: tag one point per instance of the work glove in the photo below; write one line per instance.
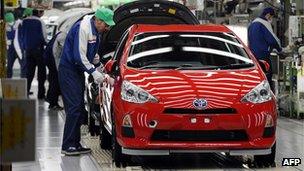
(109, 80)
(96, 59)
(288, 48)
(100, 68)
(98, 77)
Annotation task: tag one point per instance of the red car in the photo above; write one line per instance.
(187, 88)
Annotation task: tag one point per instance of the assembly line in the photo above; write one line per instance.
(152, 85)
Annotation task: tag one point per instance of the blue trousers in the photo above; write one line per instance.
(54, 88)
(72, 85)
(34, 58)
(11, 58)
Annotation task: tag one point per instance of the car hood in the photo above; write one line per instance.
(178, 89)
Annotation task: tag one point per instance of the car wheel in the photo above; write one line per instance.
(105, 138)
(119, 159)
(266, 160)
(93, 128)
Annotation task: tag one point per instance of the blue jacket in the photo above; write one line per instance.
(10, 35)
(81, 46)
(261, 38)
(33, 33)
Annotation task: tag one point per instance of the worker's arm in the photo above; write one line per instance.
(80, 50)
(17, 44)
(271, 38)
(43, 27)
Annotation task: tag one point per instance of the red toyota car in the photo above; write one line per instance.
(187, 88)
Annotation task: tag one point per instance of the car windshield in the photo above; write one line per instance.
(187, 51)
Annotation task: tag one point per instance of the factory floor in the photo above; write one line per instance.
(290, 144)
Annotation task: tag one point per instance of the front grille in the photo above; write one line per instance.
(195, 135)
(204, 111)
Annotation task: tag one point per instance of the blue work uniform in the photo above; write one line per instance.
(262, 41)
(79, 50)
(11, 52)
(34, 39)
(18, 45)
(49, 60)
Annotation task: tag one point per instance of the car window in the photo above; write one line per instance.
(190, 49)
(120, 46)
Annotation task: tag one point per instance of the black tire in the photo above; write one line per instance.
(93, 128)
(105, 138)
(266, 160)
(119, 159)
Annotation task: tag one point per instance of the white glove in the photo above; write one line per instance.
(286, 49)
(100, 68)
(96, 59)
(289, 48)
(98, 77)
(109, 80)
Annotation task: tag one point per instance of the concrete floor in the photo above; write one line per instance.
(290, 143)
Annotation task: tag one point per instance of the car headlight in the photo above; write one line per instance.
(260, 94)
(134, 94)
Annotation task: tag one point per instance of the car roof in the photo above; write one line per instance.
(139, 28)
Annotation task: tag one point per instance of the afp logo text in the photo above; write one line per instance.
(291, 161)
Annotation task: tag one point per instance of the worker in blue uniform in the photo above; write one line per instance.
(10, 35)
(50, 53)
(262, 39)
(34, 40)
(18, 40)
(79, 56)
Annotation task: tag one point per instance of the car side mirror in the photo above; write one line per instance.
(264, 65)
(105, 58)
(109, 66)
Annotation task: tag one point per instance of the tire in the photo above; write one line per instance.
(266, 160)
(105, 138)
(93, 128)
(119, 159)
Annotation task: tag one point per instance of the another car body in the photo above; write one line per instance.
(63, 21)
(187, 88)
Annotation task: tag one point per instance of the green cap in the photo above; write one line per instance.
(28, 12)
(9, 17)
(106, 15)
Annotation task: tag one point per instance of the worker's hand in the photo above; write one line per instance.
(98, 77)
(109, 80)
(100, 68)
(286, 49)
(96, 59)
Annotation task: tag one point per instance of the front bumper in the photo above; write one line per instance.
(143, 152)
(249, 118)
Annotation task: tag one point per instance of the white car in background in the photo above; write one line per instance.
(62, 20)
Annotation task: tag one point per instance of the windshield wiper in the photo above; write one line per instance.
(190, 67)
(159, 66)
(236, 66)
(231, 66)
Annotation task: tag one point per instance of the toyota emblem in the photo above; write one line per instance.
(200, 104)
